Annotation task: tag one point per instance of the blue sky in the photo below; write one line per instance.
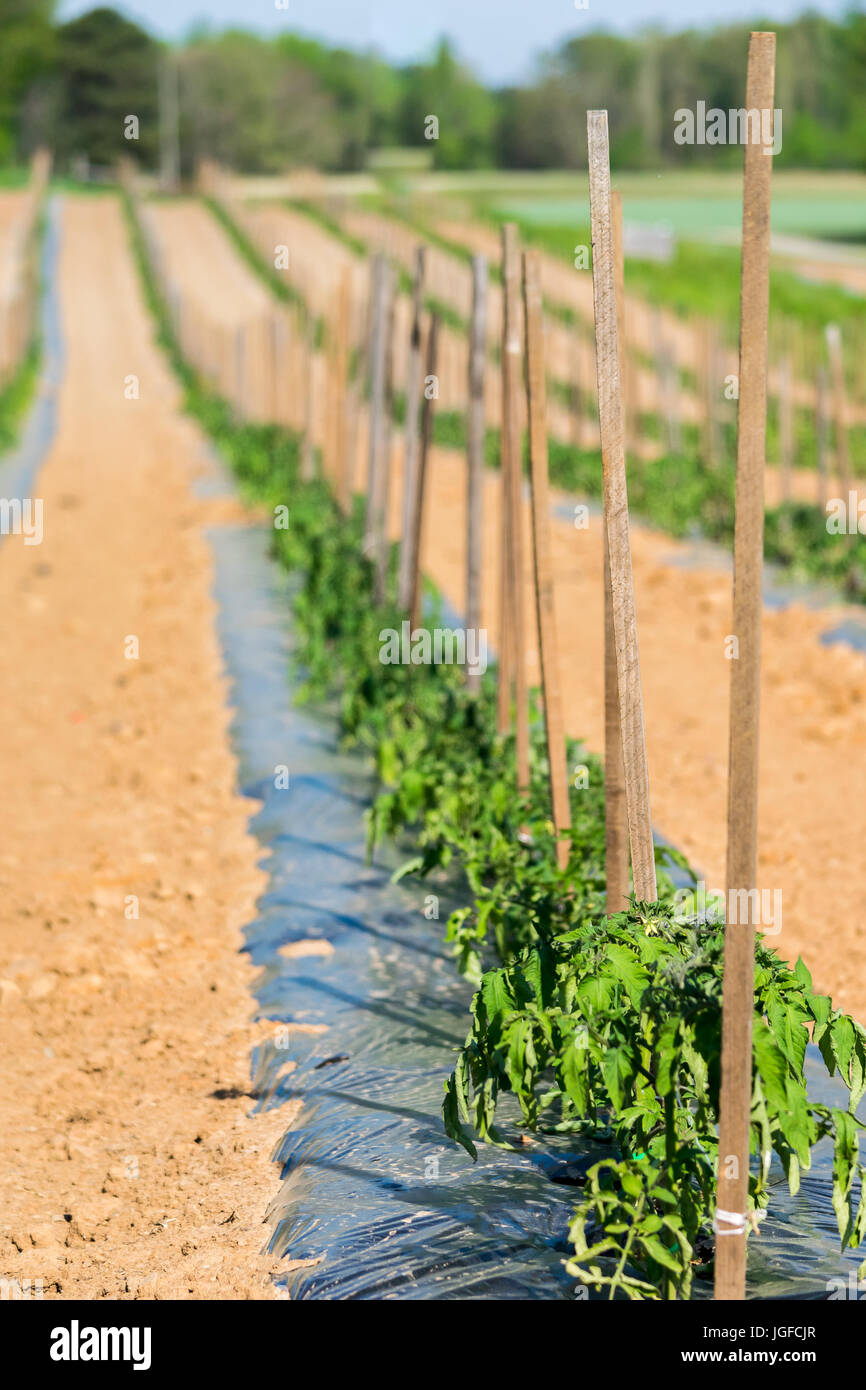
(499, 37)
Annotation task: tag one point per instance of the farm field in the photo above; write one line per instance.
(814, 699)
(120, 782)
(434, 689)
(708, 207)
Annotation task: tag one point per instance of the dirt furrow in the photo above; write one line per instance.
(130, 1165)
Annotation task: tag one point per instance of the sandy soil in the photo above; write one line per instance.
(130, 1166)
(202, 259)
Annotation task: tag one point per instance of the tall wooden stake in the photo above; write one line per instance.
(410, 451)
(738, 993)
(711, 386)
(822, 434)
(341, 390)
(383, 494)
(421, 488)
(536, 392)
(505, 662)
(616, 511)
(241, 369)
(512, 450)
(615, 806)
(786, 423)
(475, 453)
(843, 460)
(308, 458)
(619, 270)
(378, 367)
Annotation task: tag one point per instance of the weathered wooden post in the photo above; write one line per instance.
(423, 465)
(512, 451)
(616, 870)
(475, 453)
(822, 434)
(383, 489)
(786, 424)
(840, 408)
(241, 369)
(410, 452)
(616, 511)
(378, 365)
(738, 999)
(536, 389)
(308, 457)
(341, 391)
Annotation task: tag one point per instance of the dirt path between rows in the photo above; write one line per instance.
(129, 1163)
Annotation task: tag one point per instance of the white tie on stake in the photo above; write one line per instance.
(738, 991)
(610, 416)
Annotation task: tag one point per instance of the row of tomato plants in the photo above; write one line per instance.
(678, 492)
(605, 1027)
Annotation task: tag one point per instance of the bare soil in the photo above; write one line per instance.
(131, 1165)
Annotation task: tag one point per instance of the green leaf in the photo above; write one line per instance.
(628, 969)
(842, 1029)
(844, 1160)
(771, 1065)
(409, 866)
(657, 1251)
(617, 1068)
(788, 1028)
(453, 1127)
(575, 1077)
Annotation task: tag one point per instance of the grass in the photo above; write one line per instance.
(16, 396)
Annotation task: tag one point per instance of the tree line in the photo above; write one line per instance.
(261, 104)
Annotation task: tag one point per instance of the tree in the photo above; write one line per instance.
(464, 109)
(107, 70)
(26, 52)
(247, 106)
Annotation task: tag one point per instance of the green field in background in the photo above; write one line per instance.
(709, 208)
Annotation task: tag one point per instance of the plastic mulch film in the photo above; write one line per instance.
(19, 468)
(376, 1203)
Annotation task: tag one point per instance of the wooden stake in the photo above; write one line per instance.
(619, 275)
(378, 348)
(822, 434)
(421, 489)
(575, 396)
(341, 387)
(711, 436)
(240, 388)
(616, 511)
(275, 328)
(786, 423)
(739, 967)
(383, 492)
(843, 461)
(505, 663)
(617, 884)
(536, 392)
(308, 461)
(513, 450)
(475, 453)
(410, 454)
